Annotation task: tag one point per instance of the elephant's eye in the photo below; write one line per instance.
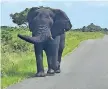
(51, 15)
(36, 13)
(47, 16)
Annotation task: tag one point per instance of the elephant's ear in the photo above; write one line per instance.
(61, 23)
(30, 16)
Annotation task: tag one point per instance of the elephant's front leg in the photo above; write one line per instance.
(39, 60)
(51, 50)
(50, 71)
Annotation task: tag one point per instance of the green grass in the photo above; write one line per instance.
(18, 65)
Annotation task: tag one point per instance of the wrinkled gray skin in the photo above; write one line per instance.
(48, 28)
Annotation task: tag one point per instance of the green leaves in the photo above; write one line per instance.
(20, 18)
(11, 42)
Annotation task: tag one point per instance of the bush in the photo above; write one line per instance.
(5, 36)
(12, 43)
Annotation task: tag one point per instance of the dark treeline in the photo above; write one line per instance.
(91, 28)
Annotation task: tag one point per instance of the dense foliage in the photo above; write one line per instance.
(20, 18)
(10, 41)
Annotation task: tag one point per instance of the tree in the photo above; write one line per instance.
(105, 29)
(93, 28)
(20, 18)
(84, 29)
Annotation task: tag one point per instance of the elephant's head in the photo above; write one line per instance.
(46, 23)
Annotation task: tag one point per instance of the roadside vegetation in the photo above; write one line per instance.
(17, 56)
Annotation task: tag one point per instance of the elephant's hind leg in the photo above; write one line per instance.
(59, 60)
(60, 51)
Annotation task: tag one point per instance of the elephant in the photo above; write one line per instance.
(48, 27)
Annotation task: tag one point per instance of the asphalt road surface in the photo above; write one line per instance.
(85, 68)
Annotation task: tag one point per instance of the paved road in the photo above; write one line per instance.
(85, 68)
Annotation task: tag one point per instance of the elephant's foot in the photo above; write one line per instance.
(40, 74)
(50, 72)
(57, 71)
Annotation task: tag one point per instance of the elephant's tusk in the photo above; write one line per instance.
(51, 38)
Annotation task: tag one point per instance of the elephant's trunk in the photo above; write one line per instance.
(34, 40)
(28, 39)
(41, 34)
(46, 35)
